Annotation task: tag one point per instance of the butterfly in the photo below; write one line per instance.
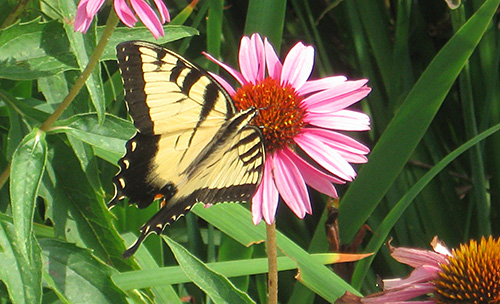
(191, 145)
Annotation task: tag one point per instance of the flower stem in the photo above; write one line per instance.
(80, 82)
(272, 260)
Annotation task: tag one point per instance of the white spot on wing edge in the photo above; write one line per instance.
(133, 146)
(122, 182)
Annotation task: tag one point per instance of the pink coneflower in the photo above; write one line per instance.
(468, 275)
(297, 114)
(88, 8)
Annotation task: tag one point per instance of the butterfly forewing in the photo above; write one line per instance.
(191, 144)
(160, 85)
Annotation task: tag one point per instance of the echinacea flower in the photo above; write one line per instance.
(469, 274)
(88, 8)
(297, 117)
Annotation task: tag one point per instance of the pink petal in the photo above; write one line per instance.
(331, 101)
(325, 156)
(345, 120)
(318, 180)
(417, 257)
(124, 13)
(252, 58)
(421, 274)
(320, 84)
(223, 83)
(82, 19)
(93, 6)
(274, 65)
(265, 200)
(393, 297)
(237, 75)
(291, 185)
(148, 17)
(298, 65)
(351, 150)
(162, 9)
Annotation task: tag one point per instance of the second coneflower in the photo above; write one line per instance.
(469, 274)
(296, 113)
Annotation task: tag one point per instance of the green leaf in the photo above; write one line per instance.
(77, 275)
(78, 212)
(152, 276)
(164, 292)
(34, 49)
(216, 286)
(266, 17)
(110, 136)
(21, 271)
(410, 123)
(28, 164)
(39, 49)
(88, 163)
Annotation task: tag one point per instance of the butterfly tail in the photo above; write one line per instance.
(162, 218)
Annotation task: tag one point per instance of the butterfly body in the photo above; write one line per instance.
(191, 144)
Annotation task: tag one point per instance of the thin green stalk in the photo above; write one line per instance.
(80, 82)
(16, 12)
(478, 176)
(214, 30)
(272, 260)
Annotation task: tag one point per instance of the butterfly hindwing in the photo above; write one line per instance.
(191, 144)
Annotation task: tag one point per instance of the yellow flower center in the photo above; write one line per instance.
(472, 275)
(280, 115)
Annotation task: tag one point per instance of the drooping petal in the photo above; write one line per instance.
(330, 101)
(351, 150)
(298, 65)
(318, 180)
(417, 257)
(237, 75)
(345, 120)
(223, 83)
(252, 58)
(124, 13)
(93, 7)
(325, 156)
(82, 19)
(265, 200)
(397, 296)
(321, 84)
(162, 9)
(274, 65)
(421, 274)
(291, 185)
(148, 17)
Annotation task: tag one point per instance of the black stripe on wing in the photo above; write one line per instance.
(135, 169)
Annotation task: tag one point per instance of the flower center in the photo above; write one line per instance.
(280, 115)
(472, 274)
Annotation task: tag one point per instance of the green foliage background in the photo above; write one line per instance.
(435, 109)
